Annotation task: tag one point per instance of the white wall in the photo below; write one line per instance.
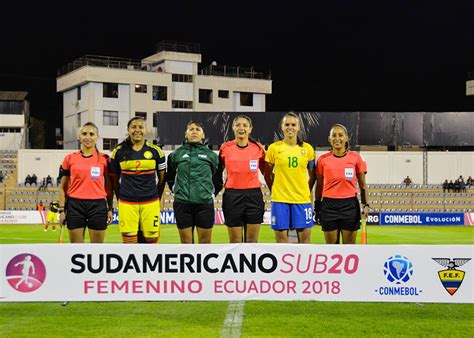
(183, 91)
(179, 67)
(70, 111)
(238, 107)
(383, 167)
(12, 141)
(394, 167)
(42, 162)
(12, 120)
(449, 165)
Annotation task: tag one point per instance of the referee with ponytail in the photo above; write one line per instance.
(336, 204)
(86, 190)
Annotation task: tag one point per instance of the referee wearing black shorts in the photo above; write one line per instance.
(336, 205)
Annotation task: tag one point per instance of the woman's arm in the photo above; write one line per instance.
(64, 185)
(363, 193)
(268, 174)
(161, 182)
(109, 189)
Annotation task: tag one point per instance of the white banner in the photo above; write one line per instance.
(22, 217)
(117, 272)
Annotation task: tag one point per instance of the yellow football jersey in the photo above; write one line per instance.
(290, 166)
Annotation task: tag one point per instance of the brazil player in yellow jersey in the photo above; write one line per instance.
(290, 172)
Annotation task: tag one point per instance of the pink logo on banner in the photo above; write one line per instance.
(26, 272)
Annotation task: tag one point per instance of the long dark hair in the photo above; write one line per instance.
(127, 143)
(346, 145)
(249, 120)
(299, 141)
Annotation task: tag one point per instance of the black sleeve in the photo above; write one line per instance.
(63, 172)
(170, 172)
(217, 177)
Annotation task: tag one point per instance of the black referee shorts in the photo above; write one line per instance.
(243, 206)
(188, 215)
(86, 213)
(340, 214)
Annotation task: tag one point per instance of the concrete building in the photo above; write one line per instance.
(470, 84)
(14, 117)
(109, 91)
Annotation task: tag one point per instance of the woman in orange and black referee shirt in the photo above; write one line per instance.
(86, 189)
(242, 204)
(337, 172)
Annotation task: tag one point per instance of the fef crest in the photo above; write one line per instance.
(451, 278)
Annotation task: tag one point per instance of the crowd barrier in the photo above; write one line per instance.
(223, 272)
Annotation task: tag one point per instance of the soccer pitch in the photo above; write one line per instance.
(246, 319)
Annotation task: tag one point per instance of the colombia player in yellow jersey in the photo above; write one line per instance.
(138, 173)
(290, 175)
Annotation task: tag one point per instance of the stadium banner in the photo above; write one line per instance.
(421, 218)
(223, 272)
(167, 217)
(22, 217)
(373, 218)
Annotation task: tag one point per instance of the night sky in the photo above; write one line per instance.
(323, 56)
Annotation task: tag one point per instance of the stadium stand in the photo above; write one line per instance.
(418, 198)
(383, 197)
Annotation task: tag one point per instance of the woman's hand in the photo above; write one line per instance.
(110, 216)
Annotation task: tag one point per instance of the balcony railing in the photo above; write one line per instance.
(175, 46)
(134, 64)
(102, 61)
(235, 71)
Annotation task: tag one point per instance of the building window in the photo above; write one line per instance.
(11, 107)
(141, 114)
(110, 90)
(10, 130)
(224, 94)
(110, 143)
(160, 93)
(205, 95)
(79, 94)
(182, 104)
(110, 118)
(140, 88)
(246, 99)
(181, 78)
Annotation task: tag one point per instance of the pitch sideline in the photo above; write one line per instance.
(233, 320)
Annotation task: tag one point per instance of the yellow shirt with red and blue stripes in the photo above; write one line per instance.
(290, 167)
(137, 170)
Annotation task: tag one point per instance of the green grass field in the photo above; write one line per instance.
(262, 319)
